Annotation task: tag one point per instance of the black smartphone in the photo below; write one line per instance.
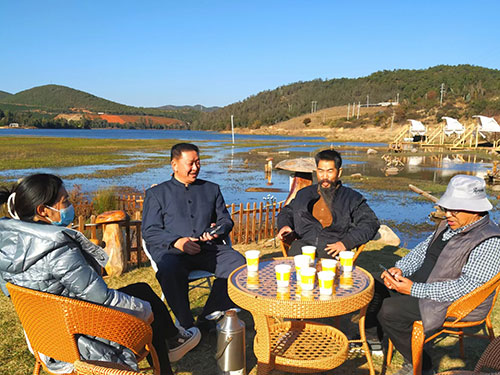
(213, 230)
(385, 269)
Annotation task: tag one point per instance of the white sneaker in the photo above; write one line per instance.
(185, 340)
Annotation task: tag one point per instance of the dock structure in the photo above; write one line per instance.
(452, 134)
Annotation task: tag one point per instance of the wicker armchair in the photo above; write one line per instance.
(102, 368)
(489, 359)
(51, 323)
(285, 246)
(454, 323)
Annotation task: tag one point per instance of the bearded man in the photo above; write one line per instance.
(327, 215)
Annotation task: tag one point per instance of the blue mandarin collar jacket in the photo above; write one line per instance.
(173, 210)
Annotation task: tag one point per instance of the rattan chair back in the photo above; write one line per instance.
(51, 323)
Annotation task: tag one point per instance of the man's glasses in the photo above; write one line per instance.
(452, 212)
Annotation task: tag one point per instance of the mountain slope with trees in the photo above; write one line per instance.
(4, 94)
(477, 87)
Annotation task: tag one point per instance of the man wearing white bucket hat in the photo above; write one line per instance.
(461, 255)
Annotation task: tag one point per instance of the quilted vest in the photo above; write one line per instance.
(449, 267)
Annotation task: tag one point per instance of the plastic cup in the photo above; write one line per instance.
(345, 281)
(329, 265)
(346, 260)
(307, 276)
(325, 281)
(253, 280)
(300, 261)
(310, 251)
(283, 295)
(282, 275)
(252, 257)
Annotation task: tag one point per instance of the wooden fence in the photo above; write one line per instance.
(252, 224)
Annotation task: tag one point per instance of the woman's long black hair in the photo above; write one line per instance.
(30, 192)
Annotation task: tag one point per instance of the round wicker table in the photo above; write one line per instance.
(298, 345)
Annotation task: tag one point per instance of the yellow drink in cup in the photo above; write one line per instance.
(307, 276)
(282, 275)
(346, 281)
(283, 295)
(310, 251)
(325, 281)
(253, 280)
(252, 257)
(346, 260)
(329, 265)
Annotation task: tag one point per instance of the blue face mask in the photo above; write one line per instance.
(67, 216)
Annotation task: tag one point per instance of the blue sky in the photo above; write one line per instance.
(152, 53)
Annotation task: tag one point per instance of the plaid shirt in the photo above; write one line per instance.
(483, 264)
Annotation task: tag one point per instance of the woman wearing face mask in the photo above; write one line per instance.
(62, 261)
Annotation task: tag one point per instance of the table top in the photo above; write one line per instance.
(259, 292)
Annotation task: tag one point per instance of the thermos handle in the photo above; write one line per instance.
(221, 351)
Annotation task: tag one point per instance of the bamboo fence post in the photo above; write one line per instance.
(273, 216)
(93, 228)
(138, 236)
(247, 222)
(232, 218)
(266, 222)
(254, 219)
(240, 223)
(259, 235)
(133, 203)
(81, 224)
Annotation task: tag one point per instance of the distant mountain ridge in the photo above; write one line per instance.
(197, 107)
(56, 98)
(59, 97)
(478, 86)
(4, 94)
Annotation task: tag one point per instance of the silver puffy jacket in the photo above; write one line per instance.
(63, 261)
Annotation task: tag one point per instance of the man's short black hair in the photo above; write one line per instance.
(179, 148)
(330, 155)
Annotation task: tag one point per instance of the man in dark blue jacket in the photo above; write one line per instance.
(327, 215)
(178, 218)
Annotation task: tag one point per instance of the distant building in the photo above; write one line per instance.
(13, 125)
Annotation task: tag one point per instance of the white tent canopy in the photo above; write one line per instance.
(487, 124)
(417, 128)
(453, 126)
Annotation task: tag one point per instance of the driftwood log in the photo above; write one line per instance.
(112, 236)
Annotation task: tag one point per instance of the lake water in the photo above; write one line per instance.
(237, 168)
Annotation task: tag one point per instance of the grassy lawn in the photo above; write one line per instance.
(17, 360)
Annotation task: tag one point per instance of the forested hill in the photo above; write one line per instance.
(58, 98)
(477, 86)
(4, 94)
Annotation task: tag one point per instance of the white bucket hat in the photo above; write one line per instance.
(467, 193)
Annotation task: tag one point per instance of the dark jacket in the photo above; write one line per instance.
(449, 266)
(173, 210)
(354, 223)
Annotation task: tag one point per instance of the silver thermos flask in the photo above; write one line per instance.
(230, 354)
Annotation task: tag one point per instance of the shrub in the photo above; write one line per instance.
(105, 200)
